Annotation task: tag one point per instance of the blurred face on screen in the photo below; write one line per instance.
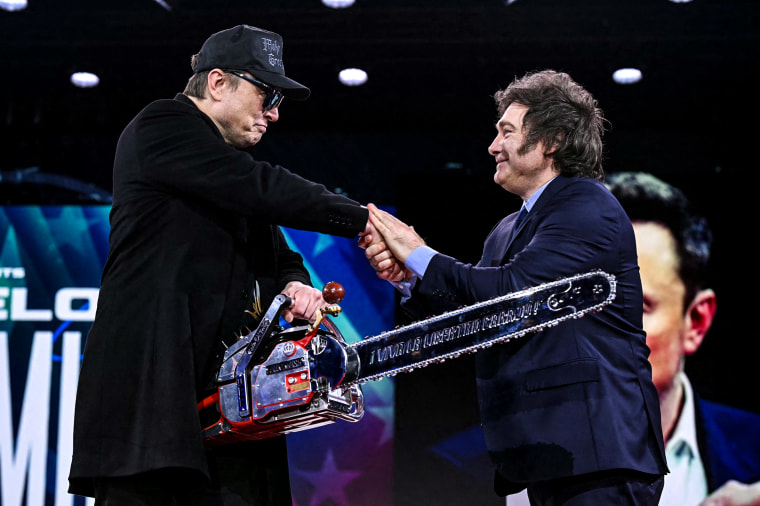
(664, 319)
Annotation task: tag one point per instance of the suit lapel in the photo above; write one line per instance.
(510, 236)
(511, 233)
(497, 244)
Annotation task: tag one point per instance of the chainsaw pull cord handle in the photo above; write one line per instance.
(333, 294)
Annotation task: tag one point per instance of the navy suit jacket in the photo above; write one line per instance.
(576, 398)
(729, 443)
(728, 440)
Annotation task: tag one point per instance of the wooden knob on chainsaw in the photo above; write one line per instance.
(333, 292)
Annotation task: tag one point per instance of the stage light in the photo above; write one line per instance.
(627, 76)
(164, 4)
(338, 4)
(13, 5)
(352, 77)
(84, 79)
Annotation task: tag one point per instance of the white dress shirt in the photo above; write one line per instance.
(686, 484)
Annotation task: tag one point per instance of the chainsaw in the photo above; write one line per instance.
(277, 380)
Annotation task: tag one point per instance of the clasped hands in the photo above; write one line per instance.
(387, 243)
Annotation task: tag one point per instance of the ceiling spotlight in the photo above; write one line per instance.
(13, 5)
(352, 77)
(627, 76)
(164, 4)
(338, 4)
(84, 79)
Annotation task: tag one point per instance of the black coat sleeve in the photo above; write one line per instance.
(179, 149)
(289, 263)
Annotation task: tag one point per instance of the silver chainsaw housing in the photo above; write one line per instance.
(298, 386)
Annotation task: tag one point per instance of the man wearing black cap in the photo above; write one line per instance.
(194, 246)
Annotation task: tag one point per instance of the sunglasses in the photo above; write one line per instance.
(273, 98)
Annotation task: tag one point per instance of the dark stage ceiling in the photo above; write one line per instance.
(433, 66)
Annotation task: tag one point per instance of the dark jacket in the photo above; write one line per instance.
(194, 222)
(576, 398)
(729, 443)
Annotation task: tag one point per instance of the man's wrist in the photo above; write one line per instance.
(419, 259)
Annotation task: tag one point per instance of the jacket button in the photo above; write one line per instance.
(244, 293)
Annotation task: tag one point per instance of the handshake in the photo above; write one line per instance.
(387, 243)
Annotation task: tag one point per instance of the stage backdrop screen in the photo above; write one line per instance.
(51, 259)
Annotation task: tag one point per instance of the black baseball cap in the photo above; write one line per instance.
(251, 49)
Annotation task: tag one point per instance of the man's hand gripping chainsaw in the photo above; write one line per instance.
(275, 381)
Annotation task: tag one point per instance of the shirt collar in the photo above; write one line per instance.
(534, 198)
(684, 436)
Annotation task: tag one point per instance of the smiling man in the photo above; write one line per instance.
(194, 247)
(569, 413)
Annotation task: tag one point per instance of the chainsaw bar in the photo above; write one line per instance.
(481, 325)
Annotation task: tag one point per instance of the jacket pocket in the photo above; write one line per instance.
(578, 371)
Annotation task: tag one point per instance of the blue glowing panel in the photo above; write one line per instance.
(51, 259)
